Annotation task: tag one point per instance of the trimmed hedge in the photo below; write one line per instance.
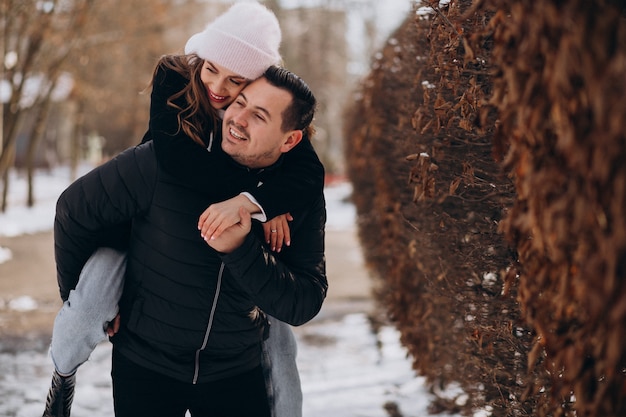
(484, 122)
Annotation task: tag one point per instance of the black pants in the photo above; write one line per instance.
(140, 392)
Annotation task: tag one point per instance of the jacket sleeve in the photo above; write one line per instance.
(302, 180)
(92, 208)
(303, 175)
(292, 285)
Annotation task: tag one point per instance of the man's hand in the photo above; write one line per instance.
(233, 237)
(277, 231)
(220, 216)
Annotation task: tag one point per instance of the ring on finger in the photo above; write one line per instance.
(273, 230)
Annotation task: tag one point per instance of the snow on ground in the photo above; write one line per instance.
(5, 255)
(347, 370)
(18, 219)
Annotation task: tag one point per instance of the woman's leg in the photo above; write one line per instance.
(80, 324)
(279, 363)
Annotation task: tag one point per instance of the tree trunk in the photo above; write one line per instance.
(11, 121)
(35, 139)
(10, 155)
(76, 140)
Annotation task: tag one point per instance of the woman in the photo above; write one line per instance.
(189, 94)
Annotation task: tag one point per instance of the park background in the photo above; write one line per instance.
(482, 140)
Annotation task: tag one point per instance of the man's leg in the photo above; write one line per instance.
(80, 324)
(138, 391)
(243, 395)
(279, 362)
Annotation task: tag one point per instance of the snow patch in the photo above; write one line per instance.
(23, 303)
(5, 255)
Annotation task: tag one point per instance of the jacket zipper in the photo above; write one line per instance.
(209, 325)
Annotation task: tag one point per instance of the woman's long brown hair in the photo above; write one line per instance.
(198, 118)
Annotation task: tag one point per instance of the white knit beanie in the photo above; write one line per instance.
(245, 39)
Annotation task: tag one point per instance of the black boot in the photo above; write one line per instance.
(60, 396)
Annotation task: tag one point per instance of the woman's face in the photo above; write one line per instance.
(222, 85)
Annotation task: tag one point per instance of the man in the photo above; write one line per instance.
(193, 314)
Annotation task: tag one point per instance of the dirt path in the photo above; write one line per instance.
(31, 272)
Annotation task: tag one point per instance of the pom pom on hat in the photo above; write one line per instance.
(245, 39)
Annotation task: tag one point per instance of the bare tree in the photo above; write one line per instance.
(113, 70)
(39, 36)
(109, 57)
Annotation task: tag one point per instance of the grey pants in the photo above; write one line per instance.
(80, 325)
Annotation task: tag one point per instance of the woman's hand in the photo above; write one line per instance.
(113, 326)
(234, 236)
(277, 232)
(220, 216)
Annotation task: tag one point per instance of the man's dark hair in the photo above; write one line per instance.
(299, 115)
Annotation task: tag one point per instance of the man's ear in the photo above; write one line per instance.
(293, 138)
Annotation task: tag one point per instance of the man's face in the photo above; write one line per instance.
(252, 133)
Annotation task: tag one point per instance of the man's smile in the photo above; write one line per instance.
(236, 134)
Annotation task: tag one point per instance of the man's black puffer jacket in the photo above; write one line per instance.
(188, 311)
